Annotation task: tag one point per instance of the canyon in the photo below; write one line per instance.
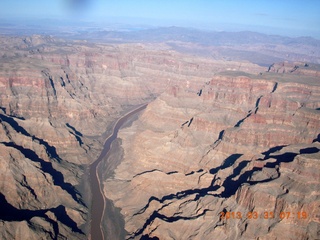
(218, 136)
(239, 143)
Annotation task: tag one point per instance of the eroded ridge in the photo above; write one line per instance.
(58, 100)
(252, 145)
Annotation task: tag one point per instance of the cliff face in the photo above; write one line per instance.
(298, 68)
(235, 156)
(207, 143)
(57, 102)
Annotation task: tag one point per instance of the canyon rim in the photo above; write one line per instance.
(227, 146)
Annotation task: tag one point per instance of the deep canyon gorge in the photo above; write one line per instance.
(219, 135)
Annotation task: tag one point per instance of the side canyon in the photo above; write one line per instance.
(216, 137)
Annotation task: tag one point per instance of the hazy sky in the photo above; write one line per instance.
(295, 17)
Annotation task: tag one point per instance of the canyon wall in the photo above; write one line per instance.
(58, 100)
(223, 149)
(236, 157)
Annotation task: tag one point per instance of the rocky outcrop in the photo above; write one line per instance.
(58, 100)
(208, 144)
(240, 159)
(296, 68)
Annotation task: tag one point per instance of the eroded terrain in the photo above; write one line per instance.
(239, 143)
(217, 136)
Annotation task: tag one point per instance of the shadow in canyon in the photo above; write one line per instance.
(75, 133)
(10, 213)
(57, 177)
(14, 124)
(146, 237)
(317, 139)
(230, 184)
(229, 161)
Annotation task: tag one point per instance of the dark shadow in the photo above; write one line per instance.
(230, 185)
(146, 237)
(242, 120)
(179, 195)
(53, 87)
(190, 173)
(239, 168)
(3, 109)
(14, 124)
(79, 140)
(275, 87)
(221, 135)
(227, 163)
(257, 105)
(190, 122)
(184, 123)
(272, 150)
(173, 172)
(10, 213)
(63, 217)
(74, 129)
(62, 82)
(149, 171)
(270, 67)
(155, 215)
(294, 68)
(258, 101)
(285, 157)
(193, 172)
(309, 150)
(47, 167)
(317, 139)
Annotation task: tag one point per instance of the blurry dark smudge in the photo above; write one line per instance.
(77, 5)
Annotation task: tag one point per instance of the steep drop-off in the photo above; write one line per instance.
(58, 100)
(234, 158)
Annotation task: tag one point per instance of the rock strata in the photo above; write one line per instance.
(243, 140)
(239, 144)
(58, 100)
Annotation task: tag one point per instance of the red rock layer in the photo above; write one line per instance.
(238, 144)
(57, 102)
